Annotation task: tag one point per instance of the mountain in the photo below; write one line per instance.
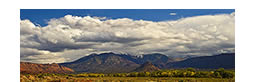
(104, 63)
(157, 59)
(32, 68)
(225, 60)
(146, 67)
(115, 63)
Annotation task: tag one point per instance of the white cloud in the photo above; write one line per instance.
(72, 37)
(173, 13)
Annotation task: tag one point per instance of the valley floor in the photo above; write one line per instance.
(35, 78)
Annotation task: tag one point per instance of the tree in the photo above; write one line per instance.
(191, 69)
(164, 74)
(217, 75)
(147, 74)
(228, 74)
(224, 74)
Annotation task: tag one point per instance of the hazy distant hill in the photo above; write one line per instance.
(32, 68)
(225, 60)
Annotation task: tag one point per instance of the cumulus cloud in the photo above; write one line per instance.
(173, 13)
(71, 37)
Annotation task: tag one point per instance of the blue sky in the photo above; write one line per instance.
(41, 16)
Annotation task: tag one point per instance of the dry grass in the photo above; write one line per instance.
(62, 78)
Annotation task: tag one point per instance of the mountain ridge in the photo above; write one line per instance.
(33, 68)
(223, 60)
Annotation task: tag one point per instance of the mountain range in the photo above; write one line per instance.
(121, 63)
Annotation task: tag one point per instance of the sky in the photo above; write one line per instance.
(42, 16)
(56, 36)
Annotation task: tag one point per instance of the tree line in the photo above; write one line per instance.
(189, 72)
